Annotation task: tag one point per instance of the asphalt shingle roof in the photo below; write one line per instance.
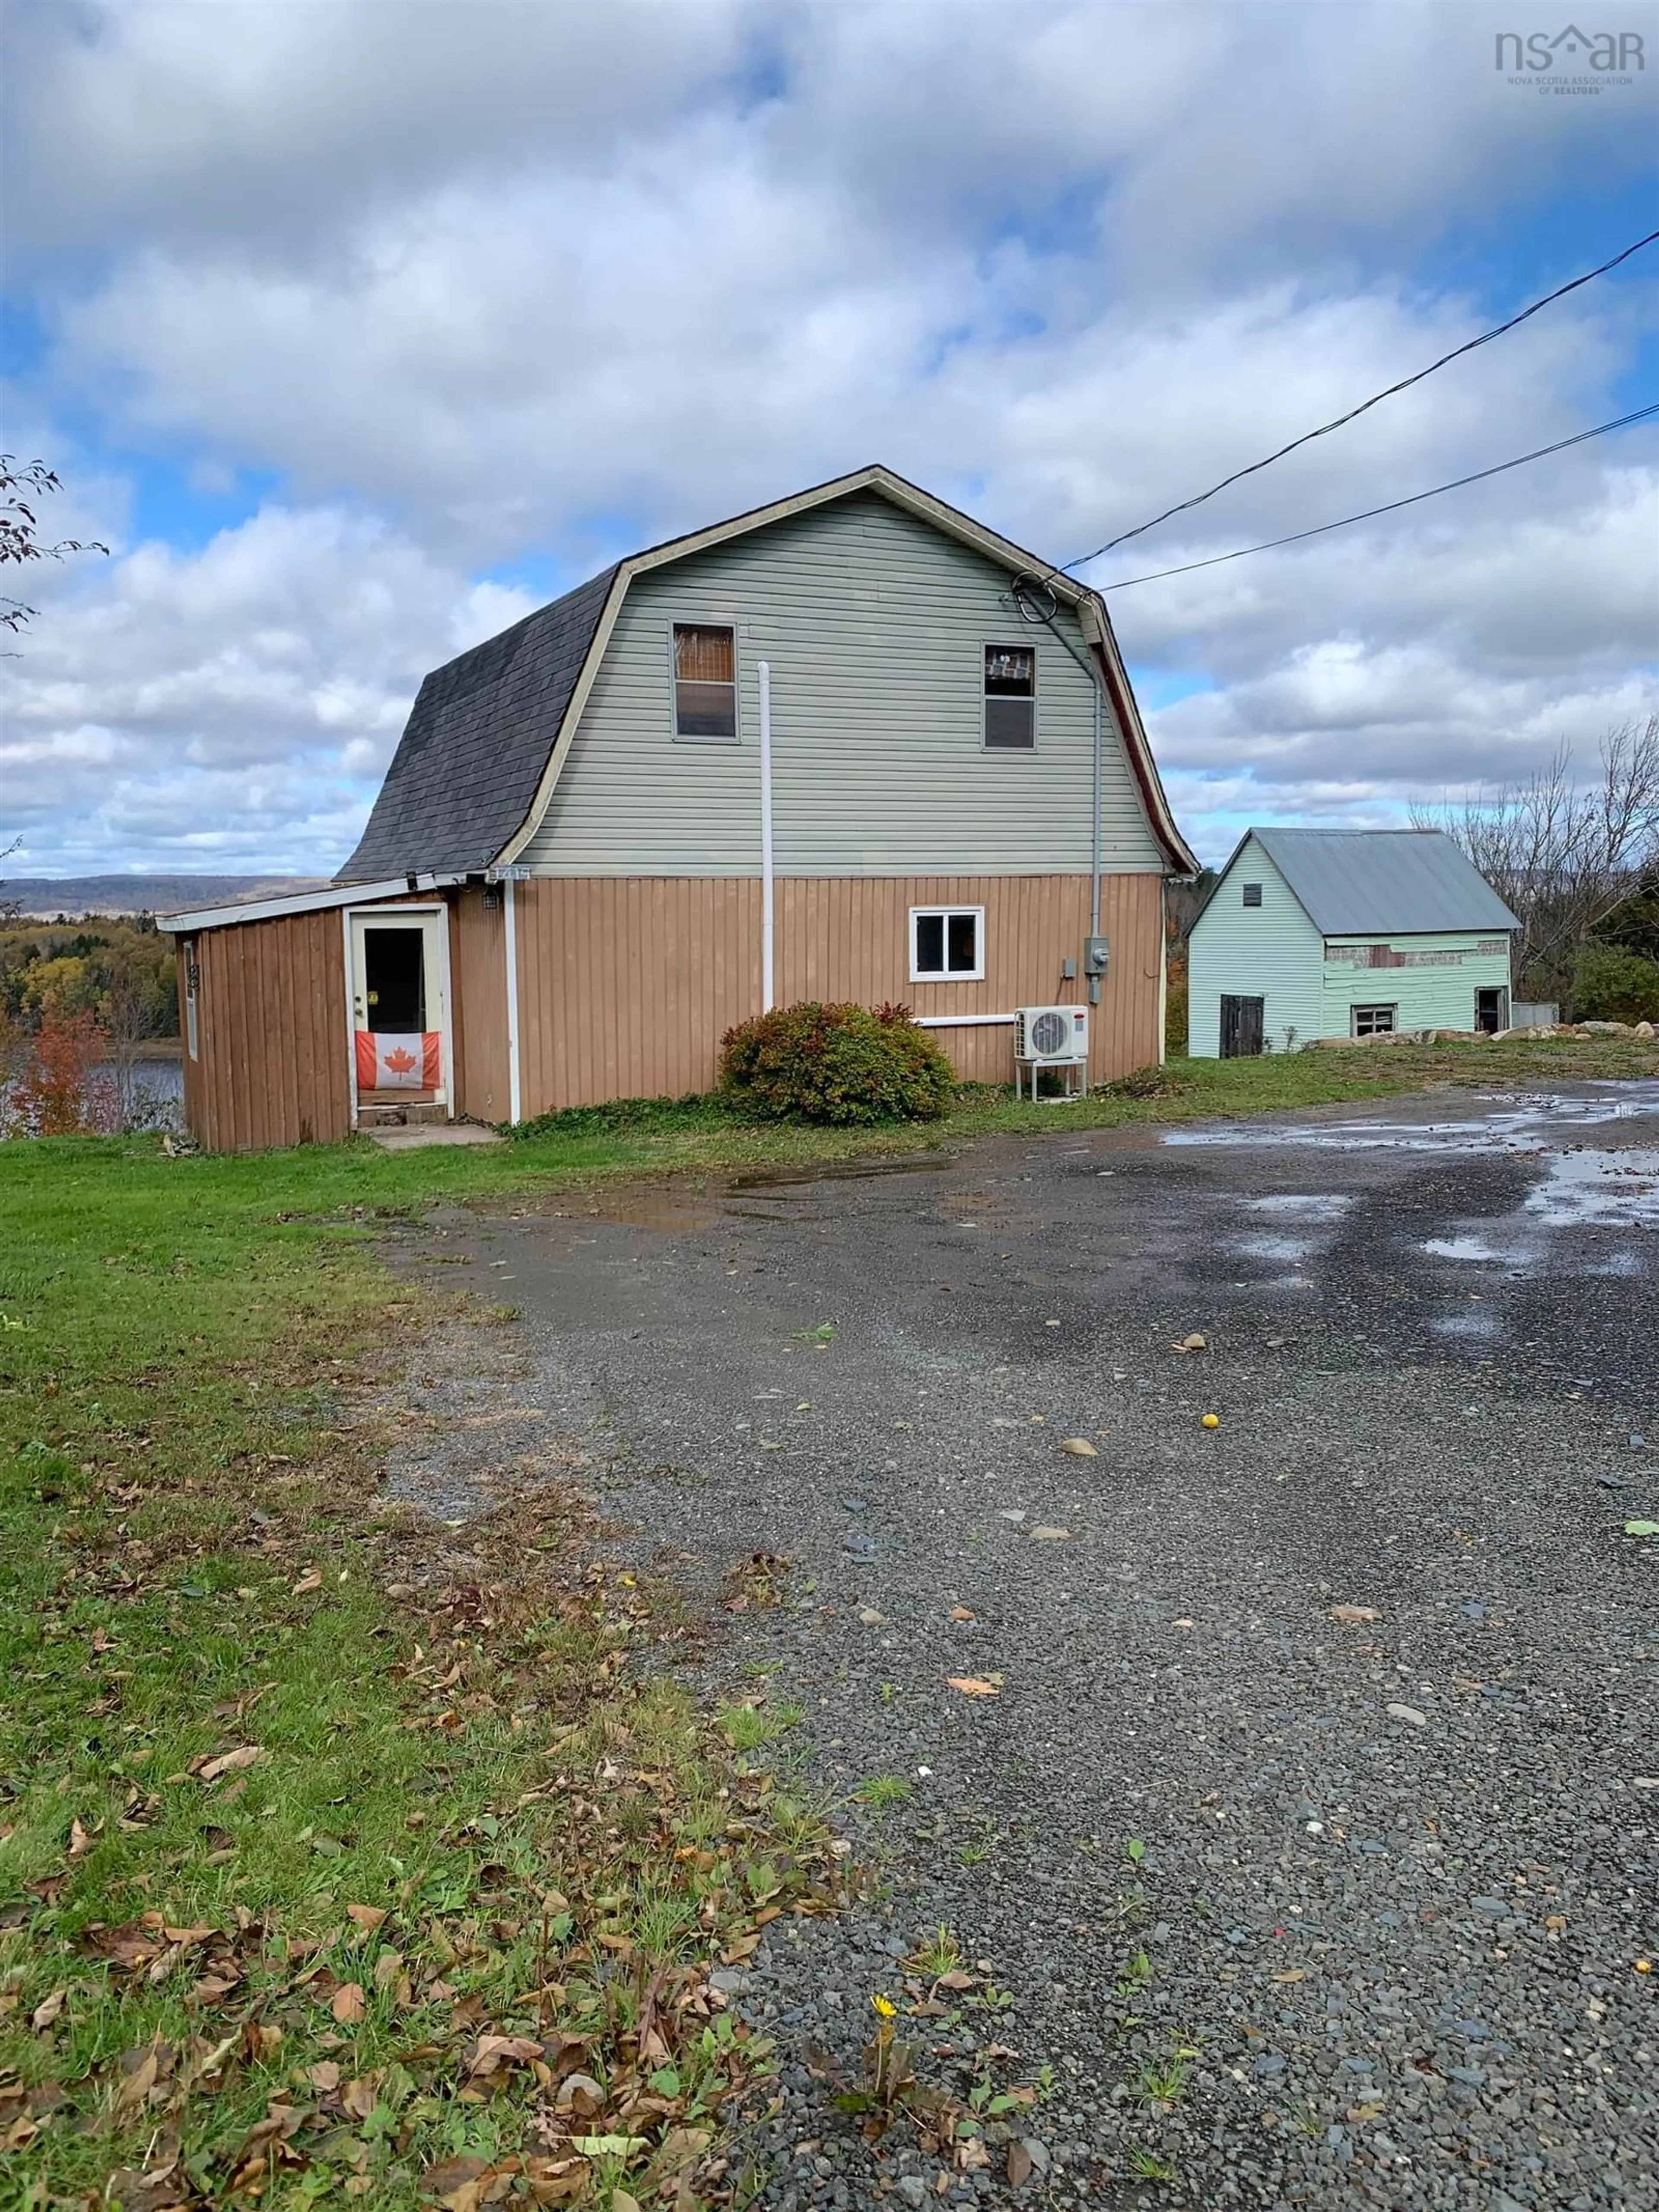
(476, 741)
(1396, 883)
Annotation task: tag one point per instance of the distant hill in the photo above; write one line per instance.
(45, 897)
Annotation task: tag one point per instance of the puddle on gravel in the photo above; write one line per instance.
(1301, 1206)
(671, 1206)
(1465, 1248)
(1537, 1124)
(757, 1185)
(1275, 1248)
(1578, 1185)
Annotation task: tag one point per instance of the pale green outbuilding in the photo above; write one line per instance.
(1311, 933)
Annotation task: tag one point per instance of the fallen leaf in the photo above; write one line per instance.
(137, 2080)
(962, 1612)
(388, 1967)
(229, 1762)
(622, 2201)
(1078, 1447)
(311, 1582)
(1019, 2165)
(492, 2052)
(324, 2075)
(456, 2184)
(1642, 1527)
(358, 2098)
(47, 2011)
(348, 2005)
(81, 1840)
(972, 1686)
(367, 1917)
(1354, 1614)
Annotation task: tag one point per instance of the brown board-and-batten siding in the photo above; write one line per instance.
(270, 1011)
(627, 983)
(478, 967)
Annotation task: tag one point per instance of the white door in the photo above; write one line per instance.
(400, 1003)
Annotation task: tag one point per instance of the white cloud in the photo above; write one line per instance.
(241, 700)
(555, 279)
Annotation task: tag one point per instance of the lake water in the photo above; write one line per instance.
(157, 1088)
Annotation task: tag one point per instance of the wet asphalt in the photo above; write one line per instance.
(1294, 1910)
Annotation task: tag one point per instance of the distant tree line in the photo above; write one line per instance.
(118, 968)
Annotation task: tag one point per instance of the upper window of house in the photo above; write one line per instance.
(1252, 894)
(705, 681)
(947, 943)
(1373, 1021)
(1010, 698)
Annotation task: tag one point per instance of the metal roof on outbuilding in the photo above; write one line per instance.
(1390, 883)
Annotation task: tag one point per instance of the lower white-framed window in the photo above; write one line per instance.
(1373, 1021)
(947, 943)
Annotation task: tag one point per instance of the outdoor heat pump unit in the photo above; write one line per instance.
(1051, 1036)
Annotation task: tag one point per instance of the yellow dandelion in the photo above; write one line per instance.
(885, 2006)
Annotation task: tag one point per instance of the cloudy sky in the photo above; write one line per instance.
(359, 327)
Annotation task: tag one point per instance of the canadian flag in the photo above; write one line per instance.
(388, 1061)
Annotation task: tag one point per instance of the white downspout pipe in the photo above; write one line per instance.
(767, 990)
(1094, 856)
(510, 919)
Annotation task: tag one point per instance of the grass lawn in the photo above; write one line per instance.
(322, 1874)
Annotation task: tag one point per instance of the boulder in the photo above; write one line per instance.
(1605, 1029)
(1644, 1030)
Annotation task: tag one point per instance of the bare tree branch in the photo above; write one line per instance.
(1560, 853)
(20, 537)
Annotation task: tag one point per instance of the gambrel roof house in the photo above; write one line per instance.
(850, 744)
(1309, 934)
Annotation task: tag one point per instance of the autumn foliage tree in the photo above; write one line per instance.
(59, 1085)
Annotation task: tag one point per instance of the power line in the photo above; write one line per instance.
(1405, 383)
(1296, 536)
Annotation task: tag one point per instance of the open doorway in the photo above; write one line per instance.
(399, 1012)
(1492, 1010)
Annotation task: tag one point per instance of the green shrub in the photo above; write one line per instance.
(837, 1063)
(1611, 984)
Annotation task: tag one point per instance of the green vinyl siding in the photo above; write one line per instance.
(1275, 953)
(875, 626)
(1272, 952)
(1435, 991)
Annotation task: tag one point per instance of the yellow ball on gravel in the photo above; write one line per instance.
(1212, 1420)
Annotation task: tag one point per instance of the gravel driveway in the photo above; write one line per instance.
(1308, 1841)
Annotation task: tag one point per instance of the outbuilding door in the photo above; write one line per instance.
(1492, 1010)
(400, 1011)
(1241, 1026)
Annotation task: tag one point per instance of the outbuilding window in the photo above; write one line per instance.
(705, 681)
(1374, 1021)
(1009, 699)
(1252, 894)
(947, 943)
